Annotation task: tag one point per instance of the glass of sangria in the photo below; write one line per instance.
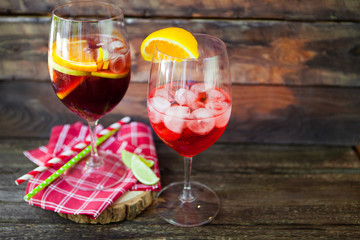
(189, 106)
(89, 65)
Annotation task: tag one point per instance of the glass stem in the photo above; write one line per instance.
(187, 195)
(94, 161)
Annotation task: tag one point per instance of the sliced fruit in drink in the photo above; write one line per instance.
(74, 54)
(64, 88)
(100, 55)
(175, 118)
(126, 157)
(102, 58)
(106, 60)
(65, 70)
(143, 173)
(110, 74)
(175, 42)
(203, 123)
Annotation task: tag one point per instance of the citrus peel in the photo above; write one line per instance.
(174, 42)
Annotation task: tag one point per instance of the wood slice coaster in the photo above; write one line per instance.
(128, 206)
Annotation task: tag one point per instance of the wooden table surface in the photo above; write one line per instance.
(286, 167)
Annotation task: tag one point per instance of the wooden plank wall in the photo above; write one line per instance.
(295, 66)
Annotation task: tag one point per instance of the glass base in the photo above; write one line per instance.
(111, 172)
(201, 209)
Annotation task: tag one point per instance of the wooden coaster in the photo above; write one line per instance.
(128, 206)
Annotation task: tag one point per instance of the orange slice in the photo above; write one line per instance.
(65, 70)
(75, 55)
(175, 42)
(67, 87)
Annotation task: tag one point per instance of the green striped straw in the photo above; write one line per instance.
(75, 159)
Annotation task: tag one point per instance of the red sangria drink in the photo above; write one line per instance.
(89, 65)
(190, 119)
(93, 83)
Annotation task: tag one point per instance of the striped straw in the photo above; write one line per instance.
(75, 149)
(105, 134)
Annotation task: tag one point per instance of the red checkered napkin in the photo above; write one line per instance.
(61, 197)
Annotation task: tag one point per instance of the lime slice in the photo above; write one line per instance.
(105, 55)
(65, 70)
(126, 158)
(105, 60)
(143, 173)
(108, 74)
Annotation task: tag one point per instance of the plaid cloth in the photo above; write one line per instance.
(61, 197)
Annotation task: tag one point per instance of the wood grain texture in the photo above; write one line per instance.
(260, 114)
(260, 52)
(268, 191)
(285, 168)
(126, 207)
(236, 9)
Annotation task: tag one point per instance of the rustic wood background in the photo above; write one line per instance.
(295, 66)
(288, 164)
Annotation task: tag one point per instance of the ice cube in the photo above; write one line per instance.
(199, 90)
(117, 63)
(93, 41)
(180, 96)
(185, 97)
(115, 45)
(196, 104)
(156, 107)
(223, 119)
(161, 92)
(221, 110)
(172, 87)
(175, 118)
(203, 123)
(175, 85)
(214, 95)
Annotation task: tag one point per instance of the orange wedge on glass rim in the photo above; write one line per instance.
(173, 41)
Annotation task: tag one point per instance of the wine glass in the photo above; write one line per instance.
(89, 65)
(189, 106)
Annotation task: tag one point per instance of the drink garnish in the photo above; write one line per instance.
(65, 70)
(126, 158)
(78, 60)
(142, 172)
(74, 54)
(175, 42)
(109, 74)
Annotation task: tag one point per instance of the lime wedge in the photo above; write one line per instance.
(143, 173)
(106, 60)
(126, 158)
(105, 55)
